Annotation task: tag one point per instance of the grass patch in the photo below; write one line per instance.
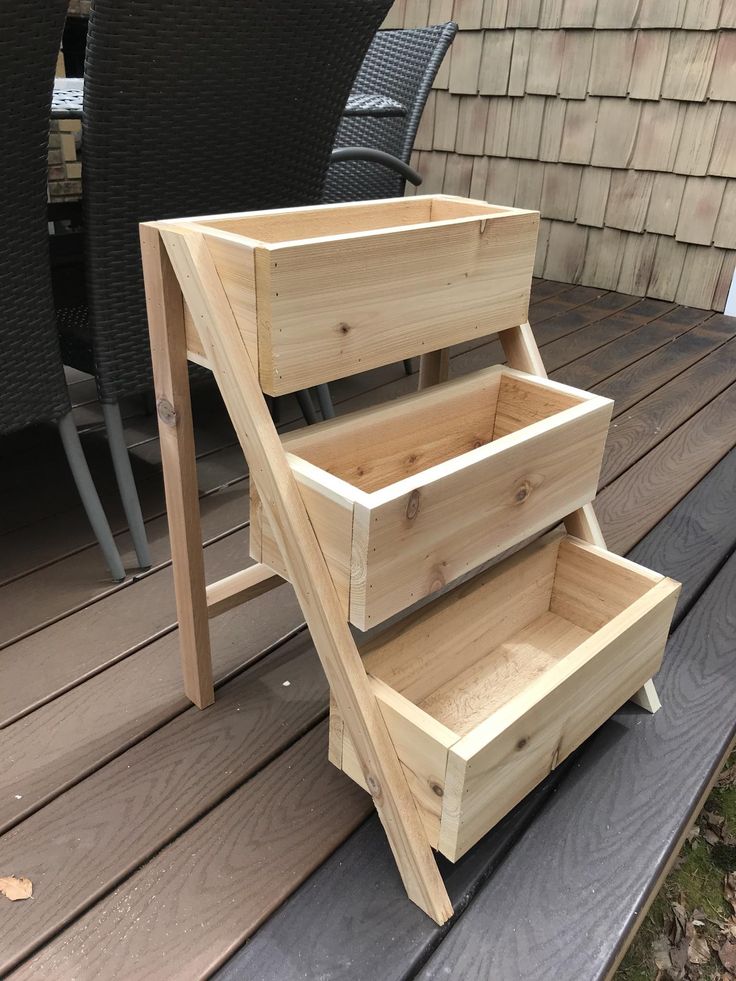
(693, 894)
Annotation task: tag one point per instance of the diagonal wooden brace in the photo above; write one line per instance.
(520, 348)
(305, 563)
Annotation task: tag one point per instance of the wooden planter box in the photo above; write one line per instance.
(410, 495)
(485, 690)
(324, 292)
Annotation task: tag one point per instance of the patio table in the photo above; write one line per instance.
(68, 102)
(67, 110)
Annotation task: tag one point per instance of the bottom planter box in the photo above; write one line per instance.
(487, 688)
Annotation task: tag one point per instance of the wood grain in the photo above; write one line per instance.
(331, 914)
(126, 811)
(200, 898)
(108, 713)
(633, 504)
(572, 889)
(644, 426)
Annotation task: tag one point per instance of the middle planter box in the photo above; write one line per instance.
(407, 496)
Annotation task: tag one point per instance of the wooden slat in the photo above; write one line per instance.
(689, 65)
(566, 251)
(723, 159)
(697, 138)
(560, 191)
(629, 199)
(649, 422)
(467, 49)
(33, 672)
(632, 505)
(699, 277)
(629, 386)
(637, 263)
(545, 61)
(553, 123)
(239, 588)
(664, 204)
(722, 79)
(125, 812)
(613, 52)
(519, 62)
(497, 127)
(495, 62)
(215, 872)
(593, 197)
(606, 355)
(576, 59)
(647, 70)
(699, 209)
(615, 135)
(659, 138)
(579, 131)
(99, 719)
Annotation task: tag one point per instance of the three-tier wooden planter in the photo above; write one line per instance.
(480, 672)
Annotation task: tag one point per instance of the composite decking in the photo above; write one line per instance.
(164, 842)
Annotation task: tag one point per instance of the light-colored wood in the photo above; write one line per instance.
(240, 587)
(339, 289)
(522, 353)
(237, 378)
(165, 308)
(497, 764)
(438, 482)
(517, 666)
(434, 368)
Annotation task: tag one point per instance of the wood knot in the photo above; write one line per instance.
(344, 328)
(522, 492)
(412, 506)
(436, 788)
(522, 742)
(374, 787)
(166, 412)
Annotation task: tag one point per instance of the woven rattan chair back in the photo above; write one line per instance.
(197, 108)
(32, 387)
(402, 65)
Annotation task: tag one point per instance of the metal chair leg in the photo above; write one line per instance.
(126, 482)
(88, 493)
(306, 405)
(325, 402)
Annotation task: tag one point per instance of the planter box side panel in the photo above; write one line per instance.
(484, 782)
(332, 521)
(344, 306)
(235, 263)
(472, 515)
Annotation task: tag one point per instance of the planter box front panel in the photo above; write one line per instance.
(509, 674)
(334, 290)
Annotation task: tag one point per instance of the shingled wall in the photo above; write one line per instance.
(616, 119)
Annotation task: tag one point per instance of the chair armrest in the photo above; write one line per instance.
(370, 155)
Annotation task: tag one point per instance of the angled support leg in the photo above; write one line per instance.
(522, 353)
(171, 374)
(434, 368)
(283, 506)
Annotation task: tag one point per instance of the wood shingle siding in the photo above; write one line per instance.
(617, 116)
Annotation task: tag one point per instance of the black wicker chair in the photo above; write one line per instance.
(196, 109)
(32, 384)
(403, 66)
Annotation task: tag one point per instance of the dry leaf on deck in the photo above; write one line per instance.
(727, 778)
(14, 888)
(661, 954)
(729, 889)
(727, 954)
(698, 951)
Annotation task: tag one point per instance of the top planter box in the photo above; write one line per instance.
(324, 292)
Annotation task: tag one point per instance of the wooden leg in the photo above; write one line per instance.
(283, 506)
(522, 353)
(434, 368)
(168, 348)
